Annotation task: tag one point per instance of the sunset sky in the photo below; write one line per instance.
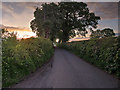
(17, 15)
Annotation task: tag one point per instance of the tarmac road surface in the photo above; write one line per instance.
(68, 71)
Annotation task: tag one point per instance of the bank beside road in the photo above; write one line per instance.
(68, 71)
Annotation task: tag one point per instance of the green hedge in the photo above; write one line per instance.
(20, 58)
(104, 53)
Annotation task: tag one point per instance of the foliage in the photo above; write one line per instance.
(46, 21)
(107, 32)
(5, 34)
(61, 20)
(104, 53)
(20, 58)
(76, 17)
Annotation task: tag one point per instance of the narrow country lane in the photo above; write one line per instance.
(68, 71)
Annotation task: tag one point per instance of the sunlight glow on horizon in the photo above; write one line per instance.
(22, 33)
(25, 34)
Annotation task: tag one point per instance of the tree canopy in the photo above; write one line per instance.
(63, 20)
(46, 22)
(107, 32)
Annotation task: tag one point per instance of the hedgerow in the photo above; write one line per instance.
(104, 53)
(20, 58)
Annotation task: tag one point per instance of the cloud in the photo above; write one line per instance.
(59, 0)
(17, 14)
(1, 26)
(30, 5)
(12, 28)
(7, 8)
(20, 13)
(106, 10)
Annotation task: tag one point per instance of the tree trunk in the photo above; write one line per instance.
(46, 34)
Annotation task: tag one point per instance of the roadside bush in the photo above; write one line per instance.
(104, 53)
(20, 58)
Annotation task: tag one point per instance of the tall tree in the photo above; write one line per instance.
(46, 20)
(76, 16)
(63, 19)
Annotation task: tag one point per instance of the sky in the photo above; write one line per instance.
(59, 0)
(17, 15)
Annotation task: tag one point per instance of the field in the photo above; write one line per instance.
(103, 53)
(20, 58)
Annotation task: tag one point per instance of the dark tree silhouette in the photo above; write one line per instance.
(46, 22)
(63, 20)
(107, 32)
(76, 17)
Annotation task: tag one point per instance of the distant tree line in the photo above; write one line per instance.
(5, 34)
(107, 32)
